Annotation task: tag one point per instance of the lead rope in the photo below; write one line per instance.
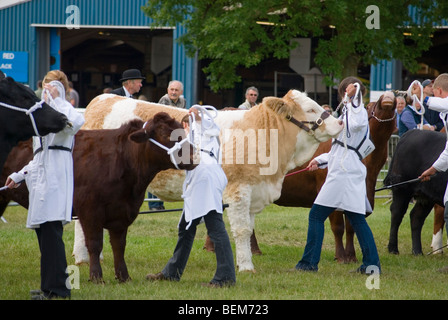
(346, 109)
(416, 100)
(28, 112)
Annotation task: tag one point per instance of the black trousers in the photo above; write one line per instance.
(53, 262)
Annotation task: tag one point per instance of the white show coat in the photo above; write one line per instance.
(204, 185)
(49, 176)
(441, 164)
(345, 185)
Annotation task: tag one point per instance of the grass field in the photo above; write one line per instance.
(281, 233)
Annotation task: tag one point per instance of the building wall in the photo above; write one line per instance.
(19, 29)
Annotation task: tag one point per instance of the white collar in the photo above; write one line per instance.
(126, 92)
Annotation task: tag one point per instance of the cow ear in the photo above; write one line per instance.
(2, 75)
(138, 136)
(278, 105)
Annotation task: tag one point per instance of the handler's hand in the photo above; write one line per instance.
(350, 90)
(196, 113)
(426, 175)
(313, 165)
(53, 90)
(11, 184)
(416, 90)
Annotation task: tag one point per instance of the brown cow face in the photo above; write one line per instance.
(163, 133)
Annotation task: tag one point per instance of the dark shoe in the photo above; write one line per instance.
(301, 266)
(44, 296)
(156, 277)
(218, 284)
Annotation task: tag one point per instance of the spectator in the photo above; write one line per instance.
(251, 99)
(174, 96)
(132, 83)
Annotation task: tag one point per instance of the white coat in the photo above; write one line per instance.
(204, 185)
(441, 164)
(49, 176)
(345, 185)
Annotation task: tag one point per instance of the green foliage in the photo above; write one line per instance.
(229, 33)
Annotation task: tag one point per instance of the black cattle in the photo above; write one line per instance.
(416, 151)
(16, 125)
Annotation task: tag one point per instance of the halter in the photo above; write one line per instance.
(28, 112)
(302, 124)
(416, 100)
(170, 151)
(378, 119)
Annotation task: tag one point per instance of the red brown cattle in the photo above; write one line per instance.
(112, 170)
(300, 190)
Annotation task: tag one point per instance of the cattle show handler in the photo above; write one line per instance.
(438, 103)
(202, 193)
(49, 179)
(344, 188)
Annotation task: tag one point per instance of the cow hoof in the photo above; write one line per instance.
(417, 253)
(394, 252)
(97, 280)
(123, 280)
(257, 252)
(247, 269)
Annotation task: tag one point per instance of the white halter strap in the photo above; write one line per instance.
(418, 100)
(28, 112)
(170, 151)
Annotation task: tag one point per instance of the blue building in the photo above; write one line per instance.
(93, 42)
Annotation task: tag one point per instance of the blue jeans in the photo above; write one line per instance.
(225, 269)
(318, 215)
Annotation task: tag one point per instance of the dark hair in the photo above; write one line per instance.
(344, 84)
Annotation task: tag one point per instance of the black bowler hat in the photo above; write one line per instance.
(131, 74)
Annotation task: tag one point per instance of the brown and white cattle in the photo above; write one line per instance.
(258, 147)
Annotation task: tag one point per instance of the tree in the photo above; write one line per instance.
(243, 33)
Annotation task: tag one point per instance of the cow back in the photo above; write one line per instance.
(416, 151)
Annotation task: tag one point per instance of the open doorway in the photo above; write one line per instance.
(95, 58)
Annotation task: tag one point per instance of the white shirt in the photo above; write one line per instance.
(441, 164)
(345, 185)
(49, 176)
(203, 186)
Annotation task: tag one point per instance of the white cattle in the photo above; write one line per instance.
(259, 147)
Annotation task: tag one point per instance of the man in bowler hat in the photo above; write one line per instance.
(131, 81)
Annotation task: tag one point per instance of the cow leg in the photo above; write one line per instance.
(398, 208)
(350, 253)
(210, 247)
(254, 248)
(240, 225)
(439, 222)
(418, 216)
(94, 242)
(118, 243)
(80, 251)
(337, 226)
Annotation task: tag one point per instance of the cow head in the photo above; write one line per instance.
(304, 112)
(163, 132)
(17, 123)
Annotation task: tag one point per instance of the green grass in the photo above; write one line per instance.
(281, 233)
